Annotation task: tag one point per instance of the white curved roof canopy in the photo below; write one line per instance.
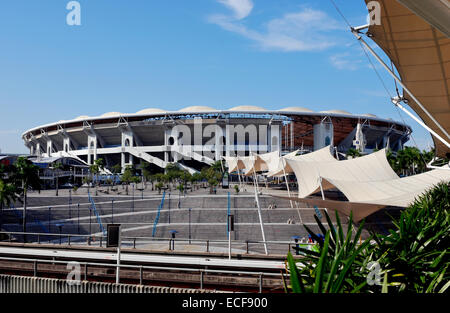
(197, 109)
(373, 167)
(263, 162)
(322, 155)
(151, 111)
(82, 117)
(111, 114)
(399, 192)
(337, 112)
(247, 108)
(296, 109)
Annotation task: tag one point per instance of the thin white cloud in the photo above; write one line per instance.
(241, 8)
(306, 30)
(345, 61)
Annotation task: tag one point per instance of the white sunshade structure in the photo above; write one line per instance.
(261, 162)
(368, 182)
(399, 192)
(234, 164)
(283, 167)
(309, 172)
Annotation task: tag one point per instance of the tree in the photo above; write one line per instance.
(393, 161)
(7, 196)
(116, 169)
(146, 172)
(159, 186)
(212, 176)
(95, 169)
(353, 153)
(415, 256)
(185, 176)
(26, 175)
(173, 172)
(196, 177)
(127, 176)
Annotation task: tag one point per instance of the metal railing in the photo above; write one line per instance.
(244, 247)
(141, 268)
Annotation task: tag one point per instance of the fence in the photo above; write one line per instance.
(21, 284)
(240, 247)
(161, 205)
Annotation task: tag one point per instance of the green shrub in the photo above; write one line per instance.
(413, 259)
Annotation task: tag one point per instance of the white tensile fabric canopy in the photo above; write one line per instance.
(322, 155)
(234, 164)
(368, 197)
(399, 192)
(262, 162)
(359, 210)
(248, 161)
(372, 167)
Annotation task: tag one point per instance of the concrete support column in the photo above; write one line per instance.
(262, 139)
(166, 143)
(38, 149)
(218, 142)
(275, 138)
(127, 141)
(66, 144)
(292, 135)
(49, 149)
(229, 140)
(360, 140)
(323, 135)
(92, 149)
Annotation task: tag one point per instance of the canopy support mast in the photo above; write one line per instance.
(357, 32)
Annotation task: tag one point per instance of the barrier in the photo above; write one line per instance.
(23, 284)
(161, 205)
(99, 220)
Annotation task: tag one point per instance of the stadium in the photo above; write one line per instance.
(198, 135)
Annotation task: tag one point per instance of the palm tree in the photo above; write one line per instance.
(7, 195)
(146, 173)
(95, 168)
(127, 176)
(393, 161)
(26, 175)
(212, 176)
(353, 153)
(116, 169)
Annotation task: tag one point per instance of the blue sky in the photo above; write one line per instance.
(128, 55)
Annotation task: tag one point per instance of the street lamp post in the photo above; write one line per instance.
(78, 206)
(60, 231)
(49, 219)
(70, 203)
(90, 221)
(169, 207)
(112, 211)
(133, 200)
(190, 225)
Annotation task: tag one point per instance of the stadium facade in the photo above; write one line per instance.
(198, 135)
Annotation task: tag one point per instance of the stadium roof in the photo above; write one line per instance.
(197, 109)
(296, 109)
(155, 112)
